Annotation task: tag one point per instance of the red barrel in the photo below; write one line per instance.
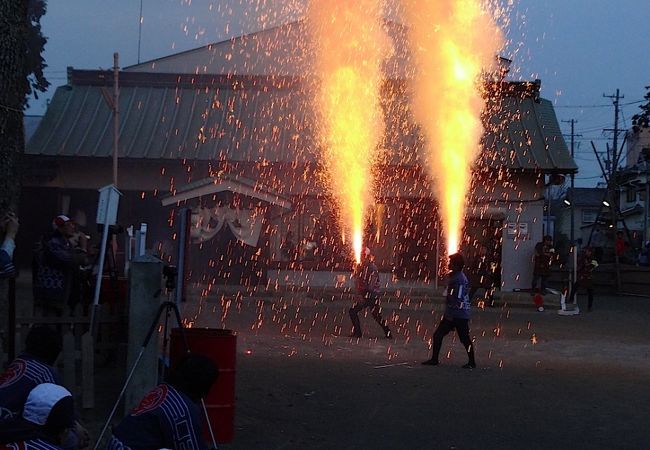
(221, 347)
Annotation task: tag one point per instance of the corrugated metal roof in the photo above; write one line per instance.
(260, 119)
(589, 197)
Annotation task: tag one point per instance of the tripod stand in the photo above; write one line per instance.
(167, 308)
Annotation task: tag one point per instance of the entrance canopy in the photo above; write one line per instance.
(223, 183)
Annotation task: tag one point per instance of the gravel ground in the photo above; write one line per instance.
(543, 381)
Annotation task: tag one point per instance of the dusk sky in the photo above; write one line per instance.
(580, 49)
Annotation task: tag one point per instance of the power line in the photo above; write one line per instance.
(598, 106)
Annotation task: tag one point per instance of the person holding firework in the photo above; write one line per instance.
(457, 313)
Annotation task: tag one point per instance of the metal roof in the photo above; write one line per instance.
(262, 119)
(587, 197)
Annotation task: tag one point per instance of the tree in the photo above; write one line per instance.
(21, 74)
(642, 120)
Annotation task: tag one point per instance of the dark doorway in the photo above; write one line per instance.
(415, 252)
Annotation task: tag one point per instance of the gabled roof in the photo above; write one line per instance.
(226, 182)
(279, 51)
(264, 119)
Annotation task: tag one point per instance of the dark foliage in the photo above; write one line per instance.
(642, 120)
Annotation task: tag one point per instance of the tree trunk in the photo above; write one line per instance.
(13, 90)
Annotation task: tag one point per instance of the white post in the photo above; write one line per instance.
(116, 113)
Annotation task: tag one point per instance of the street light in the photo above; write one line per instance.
(606, 203)
(567, 202)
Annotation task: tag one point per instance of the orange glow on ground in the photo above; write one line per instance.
(349, 47)
(453, 43)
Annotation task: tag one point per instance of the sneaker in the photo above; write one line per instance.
(430, 362)
(469, 366)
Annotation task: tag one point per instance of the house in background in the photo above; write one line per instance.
(634, 183)
(590, 224)
(228, 130)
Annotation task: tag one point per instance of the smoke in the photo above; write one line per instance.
(452, 43)
(349, 47)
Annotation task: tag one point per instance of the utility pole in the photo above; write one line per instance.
(573, 136)
(572, 206)
(615, 155)
(140, 20)
(612, 185)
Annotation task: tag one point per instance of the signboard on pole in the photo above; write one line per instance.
(109, 199)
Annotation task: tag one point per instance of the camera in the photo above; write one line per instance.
(170, 273)
(112, 229)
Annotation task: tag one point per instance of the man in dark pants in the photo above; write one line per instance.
(586, 266)
(544, 253)
(457, 313)
(367, 280)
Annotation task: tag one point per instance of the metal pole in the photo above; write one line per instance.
(572, 185)
(140, 19)
(646, 235)
(548, 211)
(116, 113)
(100, 273)
(11, 338)
(574, 272)
(435, 279)
(183, 242)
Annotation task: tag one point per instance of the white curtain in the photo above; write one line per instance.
(245, 224)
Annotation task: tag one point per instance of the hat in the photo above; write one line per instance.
(50, 405)
(59, 221)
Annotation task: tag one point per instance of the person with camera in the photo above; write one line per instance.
(8, 230)
(57, 264)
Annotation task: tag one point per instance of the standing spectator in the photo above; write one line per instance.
(483, 275)
(8, 230)
(620, 247)
(543, 259)
(169, 415)
(598, 243)
(56, 267)
(367, 281)
(46, 423)
(644, 255)
(586, 266)
(457, 313)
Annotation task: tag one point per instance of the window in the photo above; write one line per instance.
(631, 195)
(589, 215)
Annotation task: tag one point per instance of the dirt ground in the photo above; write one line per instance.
(543, 381)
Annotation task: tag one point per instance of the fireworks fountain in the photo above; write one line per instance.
(452, 43)
(349, 47)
